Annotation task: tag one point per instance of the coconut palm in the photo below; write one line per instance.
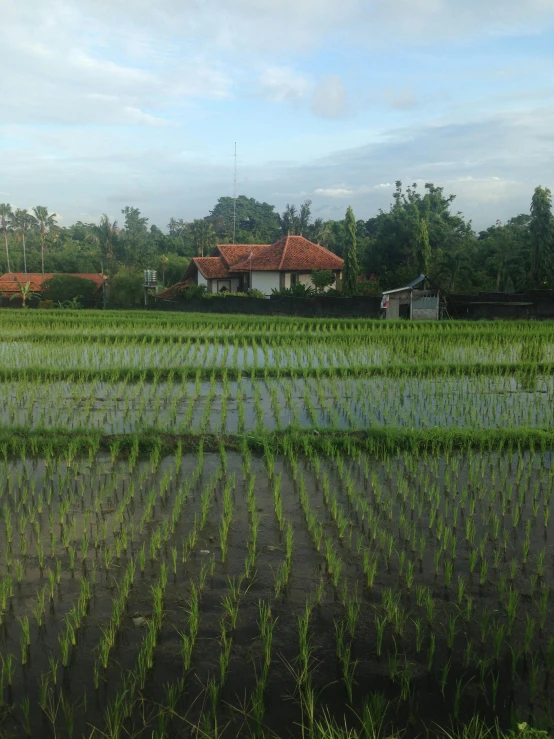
(21, 220)
(203, 235)
(5, 213)
(304, 217)
(44, 221)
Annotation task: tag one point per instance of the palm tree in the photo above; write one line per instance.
(203, 235)
(304, 217)
(44, 221)
(289, 220)
(20, 220)
(5, 213)
(104, 236)
(319, 231)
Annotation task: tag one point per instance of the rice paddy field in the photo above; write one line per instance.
(218, 527)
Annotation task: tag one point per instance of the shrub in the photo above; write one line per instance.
(295, 291)
(126, 289)
(322, 278)
(62, 288)
(191, 291)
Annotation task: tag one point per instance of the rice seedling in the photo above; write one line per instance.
(379, 509)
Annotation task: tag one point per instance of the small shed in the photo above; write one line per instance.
(418, 301)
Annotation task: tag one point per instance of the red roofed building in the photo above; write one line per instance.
(264, 267)
(9, 282)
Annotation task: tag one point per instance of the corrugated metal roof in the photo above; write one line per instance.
(409, 286)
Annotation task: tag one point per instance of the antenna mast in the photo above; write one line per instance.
(235, 196)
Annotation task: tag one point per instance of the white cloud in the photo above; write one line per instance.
(403, 99)
(334, 192)
(280, 84)
(329, 98)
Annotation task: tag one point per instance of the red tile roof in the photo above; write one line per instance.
(8, 282)
(172, 293)
(291, 254)
(233, 253)
(211, 267)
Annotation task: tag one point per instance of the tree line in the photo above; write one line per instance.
(419, 233)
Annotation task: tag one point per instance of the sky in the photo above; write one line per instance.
(108, 103)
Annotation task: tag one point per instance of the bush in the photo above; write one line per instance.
(294, 291)
(191, 291)
(63, 288)
(227, 294)
(367, 287)
(126, 289)
(46, 304)
(323, 278)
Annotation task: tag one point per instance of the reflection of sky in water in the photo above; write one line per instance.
(479, 402)
(65, 356)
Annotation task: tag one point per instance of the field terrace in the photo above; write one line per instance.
(228, 527)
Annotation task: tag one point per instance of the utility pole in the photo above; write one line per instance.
(235, 196)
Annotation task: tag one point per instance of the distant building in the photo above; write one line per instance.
(9, 282)
(414, 301)
(264, 267)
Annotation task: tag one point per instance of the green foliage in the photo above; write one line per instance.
(323, 278)
(351, 269)
(191, 291)
(64, 288)
(541, 232)
(256, 223)
(420, 232)
(524, 731)
(299, 290)
(424, 248)
(126, 289)
(26, 293)
(171, 268)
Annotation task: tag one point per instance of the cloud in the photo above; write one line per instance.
(329, 98)
(280, 84)
(334, 192)
(104, 102)
(404, 99)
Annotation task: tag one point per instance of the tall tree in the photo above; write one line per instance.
(319, 231)
(21, 220)
(424, 248)
(289, 220)
(44, 221)
(105, 236)
(541, 231)
(295, 221)
(256, 222)
(304, 217)
(351, 269)
(5, 214)
(203, 236)
(135, 248)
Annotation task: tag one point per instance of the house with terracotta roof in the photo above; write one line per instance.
(263, 267)
(9, 283)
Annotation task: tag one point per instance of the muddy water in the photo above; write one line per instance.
(405, 497)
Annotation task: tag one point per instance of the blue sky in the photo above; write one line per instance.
(107, 103)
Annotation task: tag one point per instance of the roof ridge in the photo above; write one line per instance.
(284, 250)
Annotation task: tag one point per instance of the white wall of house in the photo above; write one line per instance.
(265, 281)
(201, 280)
(287, 279)
(305, 279)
